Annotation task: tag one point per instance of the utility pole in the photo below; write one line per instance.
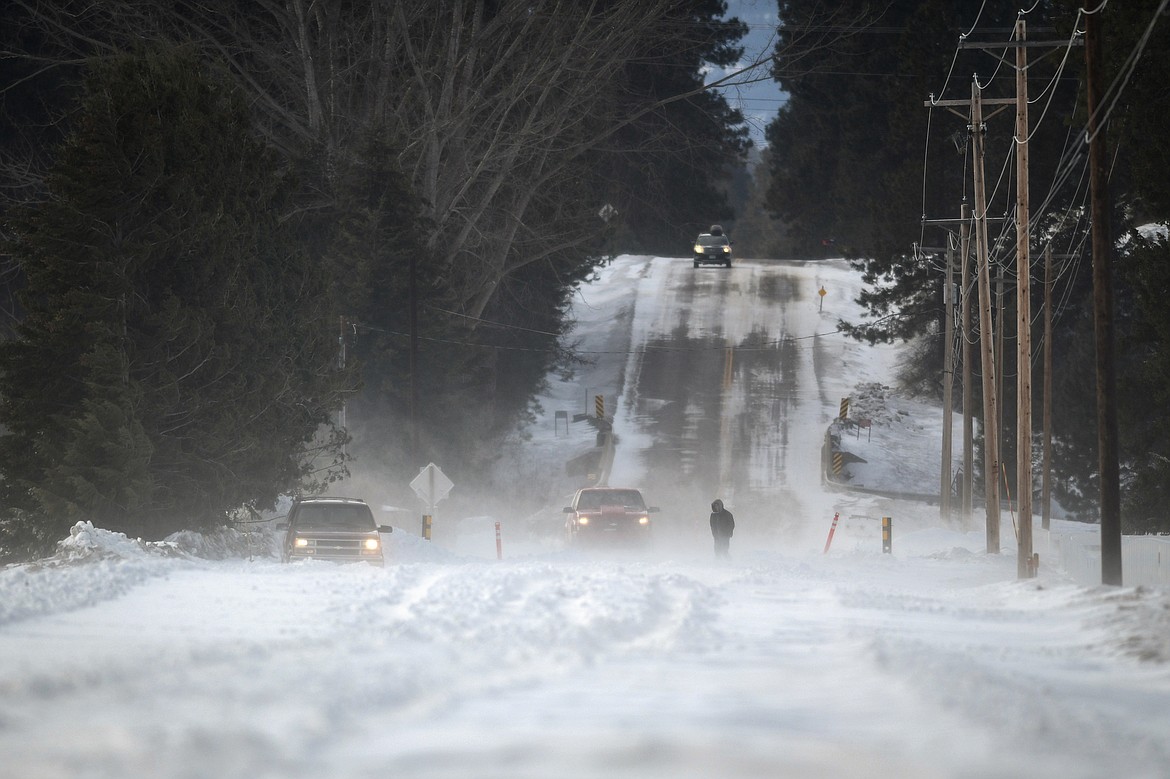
(968, 416)
(951, 311)
(1000, 329)
(944, 494)
(1046, 474)
(1025, 569)
(414, 406)
(976, 130)
(341, 421)
(990, 406)
(991, 372)
(1107, 449)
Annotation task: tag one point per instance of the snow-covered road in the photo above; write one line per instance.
(119, 660)
(924, 664)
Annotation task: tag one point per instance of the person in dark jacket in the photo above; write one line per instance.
(722, 526)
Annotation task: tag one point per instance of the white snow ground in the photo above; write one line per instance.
(186, 659)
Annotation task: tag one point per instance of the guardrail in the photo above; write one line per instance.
(1145, 560)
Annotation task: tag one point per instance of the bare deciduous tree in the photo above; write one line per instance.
(493, 105)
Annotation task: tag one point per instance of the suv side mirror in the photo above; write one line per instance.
(653, 509)
(567, 510)
(385, 529)
(282, 526)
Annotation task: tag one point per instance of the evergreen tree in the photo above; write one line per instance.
(1139, 141)
(846, 166)
(850, 145)
(1146, 366)
(668, 172)
(176, 359)
(757, 233)
(509, 126)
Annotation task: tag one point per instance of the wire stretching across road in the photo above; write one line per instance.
(770, 345)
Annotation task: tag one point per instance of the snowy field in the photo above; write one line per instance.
(187, 659)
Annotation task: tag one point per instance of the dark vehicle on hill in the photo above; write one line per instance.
(336, 529)
(600, 515)
(713, 248)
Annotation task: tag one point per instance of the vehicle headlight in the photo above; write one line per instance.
(301, 543)
(582, 520)
(698, 249)
(371, 544)
(643, 520)
(727, 250)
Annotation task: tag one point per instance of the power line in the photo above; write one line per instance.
(766, 346)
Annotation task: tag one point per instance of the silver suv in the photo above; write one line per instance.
(713, 247)
(335, 529)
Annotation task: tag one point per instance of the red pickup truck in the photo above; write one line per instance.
(602, 515)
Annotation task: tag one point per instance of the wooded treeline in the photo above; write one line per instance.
(213, 211)
(857, 163)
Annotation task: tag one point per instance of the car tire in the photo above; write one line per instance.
(696, 263)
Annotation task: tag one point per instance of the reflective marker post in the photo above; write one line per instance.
(832, 530)
(887, 535)
(426, 526)
(499, 543)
